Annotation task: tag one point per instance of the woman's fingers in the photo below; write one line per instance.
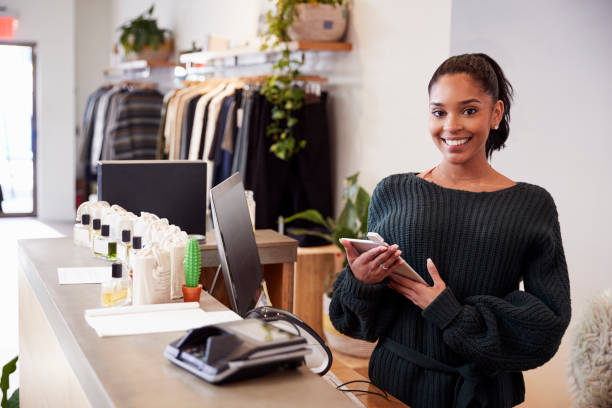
(351, 254)
(433, 272)
(371, 254)
(394, 263)
(387, 257)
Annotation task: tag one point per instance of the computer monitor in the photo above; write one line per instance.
(175, 190)
(236, 243)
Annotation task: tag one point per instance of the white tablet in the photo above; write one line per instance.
(405, 270)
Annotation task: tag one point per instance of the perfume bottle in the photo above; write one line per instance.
(95, 230)
(115, 290)
(136, 248)
(81, 233)
(123, 247)
(104, 247)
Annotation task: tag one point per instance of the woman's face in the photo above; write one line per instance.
(461, 115)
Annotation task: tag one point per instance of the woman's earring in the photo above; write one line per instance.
(496, 126)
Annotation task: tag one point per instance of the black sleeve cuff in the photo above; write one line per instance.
(360, 290)
(443, 310)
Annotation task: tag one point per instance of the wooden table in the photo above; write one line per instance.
(277, 254)
(314, 265)
(63, 363)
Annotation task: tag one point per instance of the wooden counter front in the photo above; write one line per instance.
(64, 363)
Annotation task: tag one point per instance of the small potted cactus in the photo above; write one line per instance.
(192, 264)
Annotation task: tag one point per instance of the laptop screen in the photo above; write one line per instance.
(236, 243)
(175, 190)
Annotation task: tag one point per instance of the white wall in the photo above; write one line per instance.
(93, 47)
(51, 26)
(378, 91)
(557, 56)
(193, 20)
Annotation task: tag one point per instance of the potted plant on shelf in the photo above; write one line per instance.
(294, 20)
(352, 223)
(141, 38)
(192, 264)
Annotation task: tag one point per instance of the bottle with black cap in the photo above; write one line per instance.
(81, 233)
(136, 248)
(104, 247)
(123, 247)
(95, 230)
(115, 290)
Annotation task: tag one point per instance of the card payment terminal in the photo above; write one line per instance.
(236, 350)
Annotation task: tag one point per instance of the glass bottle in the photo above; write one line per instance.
(81, 233)
(115, 291)
(95, 231)
(123, 247)
(104, 247)
(136, 248)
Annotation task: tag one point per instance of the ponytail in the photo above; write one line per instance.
(485, 70)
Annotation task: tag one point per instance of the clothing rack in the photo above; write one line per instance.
(162, 73)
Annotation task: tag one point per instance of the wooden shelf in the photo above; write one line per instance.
(208, 56)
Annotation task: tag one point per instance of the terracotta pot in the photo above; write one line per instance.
(340, 342)
(162, 53)
(318, 22)
(192, 294)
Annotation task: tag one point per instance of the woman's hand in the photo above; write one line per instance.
(373, 265)
(419, 293)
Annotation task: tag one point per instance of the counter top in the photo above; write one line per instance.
(131, 370)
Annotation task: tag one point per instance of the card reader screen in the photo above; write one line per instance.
(262, 332)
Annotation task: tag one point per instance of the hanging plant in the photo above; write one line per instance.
(281, 88)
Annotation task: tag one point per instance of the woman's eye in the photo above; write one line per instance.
(470, 111)
(438, 113)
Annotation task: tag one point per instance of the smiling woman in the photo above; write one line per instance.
(470, 101)
(463, 338)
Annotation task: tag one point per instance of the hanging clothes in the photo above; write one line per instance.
(133, 134)
(120, 122)
(223, 122)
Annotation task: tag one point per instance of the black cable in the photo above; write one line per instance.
(367, 392)
(384, 395)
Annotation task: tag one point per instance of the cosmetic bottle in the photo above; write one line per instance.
(104, 247)
(123, 247)
(115, 290)
(81, 233)
(136, 248)
(95, 230)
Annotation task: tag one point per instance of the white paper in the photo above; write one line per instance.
(85, 274)
(129, 320)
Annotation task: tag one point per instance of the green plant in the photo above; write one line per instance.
(192, 263)
(7, 370)
(352, 223)
(281, 88)
(140, 32)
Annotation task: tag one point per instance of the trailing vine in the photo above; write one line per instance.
(281, 88)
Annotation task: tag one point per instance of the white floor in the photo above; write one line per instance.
(12, 230)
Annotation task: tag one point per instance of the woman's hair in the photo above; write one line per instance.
(485, 70)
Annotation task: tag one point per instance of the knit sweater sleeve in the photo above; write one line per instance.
(522, 330)
(359, 309)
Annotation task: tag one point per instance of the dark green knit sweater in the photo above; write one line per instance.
(483, 244)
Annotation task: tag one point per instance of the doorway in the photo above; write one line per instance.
(17, 129)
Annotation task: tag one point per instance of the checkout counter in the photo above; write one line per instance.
(63, 363)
